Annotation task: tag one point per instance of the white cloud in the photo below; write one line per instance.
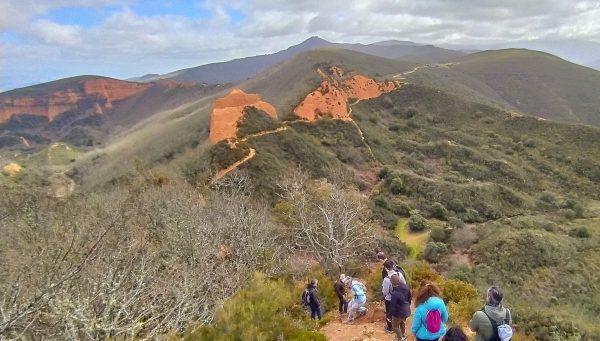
(162, 43)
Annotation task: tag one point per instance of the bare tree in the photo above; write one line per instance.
(132, 263)
(330, 222)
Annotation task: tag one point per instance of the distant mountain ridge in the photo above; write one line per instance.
(243, 68)
(82, 110)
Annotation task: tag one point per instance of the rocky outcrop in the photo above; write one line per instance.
(100, 92)
(228, 110)
(331, 98)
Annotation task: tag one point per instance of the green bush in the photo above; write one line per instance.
(439, 234)
(457, 291)
(574, 205)
(434, 252)
(580, 232)
(417, 223)
(265, 310)
(397, 186)
(255, 121)
(419, 272)
(438, 211)
(471, 215)
(456, 223)
(393, 247)
(400, 208)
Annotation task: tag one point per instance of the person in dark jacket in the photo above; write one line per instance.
(399, 306)
(340, 290)
(314, 300)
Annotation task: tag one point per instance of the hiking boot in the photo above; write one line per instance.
(387, 330)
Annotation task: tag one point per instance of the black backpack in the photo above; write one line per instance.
(399, 269)
(306, 297)
(495, 325)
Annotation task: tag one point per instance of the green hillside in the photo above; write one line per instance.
(538, 83)
(445, 177)
(480, 176)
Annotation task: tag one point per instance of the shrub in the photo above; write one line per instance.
(381, 201)
(254, 121)
(456, 291)
(547, 197)
(417, 223)
(574, 205)
(419, 272)
(580, 232)
(438, 234)
(393, 247)
(438, 210)
(434, 252)
(265, 310)
(471, 215)
(456, 223)
(400, 208)
(397, 186)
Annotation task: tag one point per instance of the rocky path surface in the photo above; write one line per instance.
(365, 328)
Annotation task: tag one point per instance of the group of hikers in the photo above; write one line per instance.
(492, 323)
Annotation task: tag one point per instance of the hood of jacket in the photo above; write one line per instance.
(496, 313)
(434, 303)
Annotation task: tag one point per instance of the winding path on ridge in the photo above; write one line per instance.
(220, 174)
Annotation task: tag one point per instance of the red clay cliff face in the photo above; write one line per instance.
(332, 96)
(50, 105)
(229, 109)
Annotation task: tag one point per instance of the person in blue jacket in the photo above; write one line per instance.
(430, 313)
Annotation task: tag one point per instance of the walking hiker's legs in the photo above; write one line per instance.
(403, 327)
(388, 316)
(343, 305)
(315, 313)
(353, 308)
(396, 327)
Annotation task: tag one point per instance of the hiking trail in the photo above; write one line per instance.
(364, 328)
(220, 174)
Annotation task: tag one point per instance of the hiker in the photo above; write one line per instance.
(399, 306)
(359, 298)
(455, 334)
(340, 290)
(384, 273)
(493, 319)
(430, 313)
(313, 300)
(386, 291)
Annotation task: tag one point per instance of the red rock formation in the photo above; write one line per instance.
(52, 104)
(328, 99)
(331, 98)
(229, 109)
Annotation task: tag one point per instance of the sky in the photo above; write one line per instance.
(43, 40)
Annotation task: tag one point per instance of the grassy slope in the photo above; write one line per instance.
(286, 84)
(538, 83)
(472, 157)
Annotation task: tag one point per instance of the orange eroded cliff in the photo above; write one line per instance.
(229, 109)
(331, 97)
(52, 104)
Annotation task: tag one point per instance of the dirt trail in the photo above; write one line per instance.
(234, 166)
(262, 133)
(367, 328)
(362, 136)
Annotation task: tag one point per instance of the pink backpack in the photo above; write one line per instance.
(433, 321)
